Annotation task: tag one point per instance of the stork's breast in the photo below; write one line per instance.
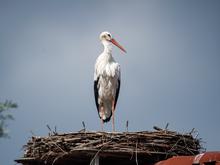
(107, 87)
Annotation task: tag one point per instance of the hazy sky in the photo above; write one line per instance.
(169, 74)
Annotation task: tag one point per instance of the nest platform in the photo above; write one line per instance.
(145, 147)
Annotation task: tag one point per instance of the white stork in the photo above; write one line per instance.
(107, 80)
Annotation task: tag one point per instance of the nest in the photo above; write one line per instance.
(83, 147)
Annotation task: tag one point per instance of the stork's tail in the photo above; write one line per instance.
(105, 112)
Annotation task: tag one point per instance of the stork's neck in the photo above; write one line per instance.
(107, 47)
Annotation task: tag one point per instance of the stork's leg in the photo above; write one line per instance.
(101, 113)
(113, 115)
(102, 125)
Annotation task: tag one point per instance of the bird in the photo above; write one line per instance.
(107, 80)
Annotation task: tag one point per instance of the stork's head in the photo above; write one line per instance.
(106, 38)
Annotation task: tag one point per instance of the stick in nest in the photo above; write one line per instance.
(136, 159)
(99, 152)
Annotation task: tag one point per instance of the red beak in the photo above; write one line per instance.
(118, 45)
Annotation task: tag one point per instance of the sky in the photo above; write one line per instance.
(170, 73)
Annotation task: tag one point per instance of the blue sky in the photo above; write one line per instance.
(170, 73)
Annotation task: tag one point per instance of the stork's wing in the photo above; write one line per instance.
(118, 74)
(117, 92)
(96, 89)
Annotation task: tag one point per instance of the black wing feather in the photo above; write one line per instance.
(96, 92)
(117, 92)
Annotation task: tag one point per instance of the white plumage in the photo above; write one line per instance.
(107, 79)
(108, 74)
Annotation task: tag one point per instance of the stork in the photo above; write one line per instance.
(107, 77)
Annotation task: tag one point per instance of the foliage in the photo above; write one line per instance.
(5, 115)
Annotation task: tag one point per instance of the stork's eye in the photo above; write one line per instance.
(109, 35)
